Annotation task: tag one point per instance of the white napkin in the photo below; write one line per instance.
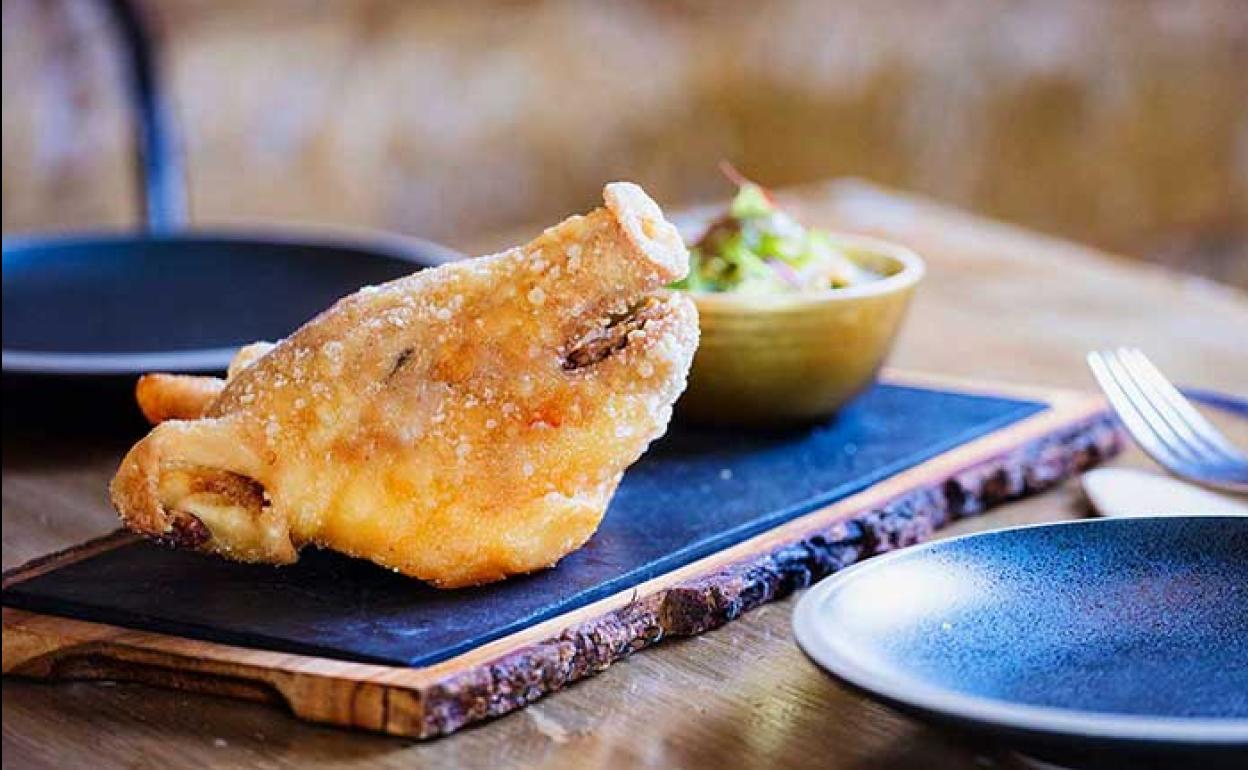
(1126, 492)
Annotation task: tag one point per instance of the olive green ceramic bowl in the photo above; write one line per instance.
(776, 359)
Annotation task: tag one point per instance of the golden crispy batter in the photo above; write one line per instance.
(459, 425)
(176, 396)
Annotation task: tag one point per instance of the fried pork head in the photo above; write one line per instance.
(459, 425)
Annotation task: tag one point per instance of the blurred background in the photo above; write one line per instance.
(1121, 123)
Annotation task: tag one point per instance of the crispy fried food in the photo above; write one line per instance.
(459, 425)
(176, 396)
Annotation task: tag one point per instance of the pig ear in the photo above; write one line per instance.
(587, 268)
(656, 239)
(187, 478)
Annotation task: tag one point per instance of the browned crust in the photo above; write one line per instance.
(468, 360)
(176, 396)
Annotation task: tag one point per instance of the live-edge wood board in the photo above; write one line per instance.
(1074, 432)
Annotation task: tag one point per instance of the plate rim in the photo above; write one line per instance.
(196, 360)
(402, 248)
(979, 711)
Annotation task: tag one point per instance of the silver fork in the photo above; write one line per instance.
(1165, 424)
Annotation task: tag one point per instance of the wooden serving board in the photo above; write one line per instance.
(707, 526)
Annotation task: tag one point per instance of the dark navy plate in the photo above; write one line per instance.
(100, 305)
(1080, 640)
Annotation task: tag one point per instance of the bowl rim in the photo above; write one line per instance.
(913, 268)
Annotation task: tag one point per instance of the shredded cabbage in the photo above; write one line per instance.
(756, 248)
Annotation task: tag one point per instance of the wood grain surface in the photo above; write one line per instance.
(998, 303)
(1025, 458)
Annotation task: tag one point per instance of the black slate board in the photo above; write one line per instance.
(695, 493)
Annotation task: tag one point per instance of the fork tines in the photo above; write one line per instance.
(1164, 423)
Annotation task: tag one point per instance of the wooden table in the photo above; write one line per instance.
(999, 303)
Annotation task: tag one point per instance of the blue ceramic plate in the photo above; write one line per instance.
(1080, 639)
(101, 305)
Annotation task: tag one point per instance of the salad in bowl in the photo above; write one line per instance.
(795, 320)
